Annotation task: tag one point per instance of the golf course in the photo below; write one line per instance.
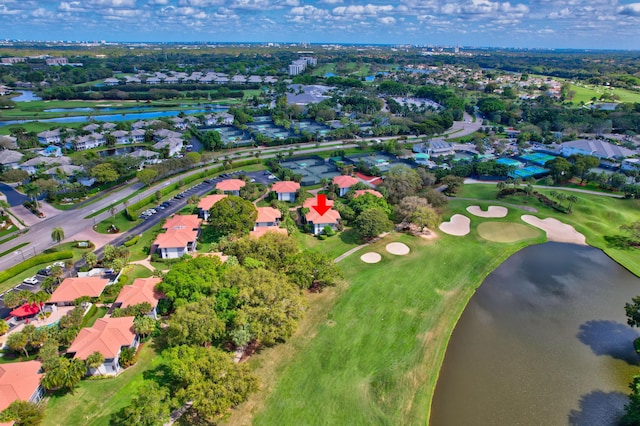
(370, 350)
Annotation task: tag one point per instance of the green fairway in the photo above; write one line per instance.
(585, 93)
(94, 401)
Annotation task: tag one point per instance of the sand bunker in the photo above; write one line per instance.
(492, 211)
(371, 257)
(458, 225)
(556, 230)
(399, 249)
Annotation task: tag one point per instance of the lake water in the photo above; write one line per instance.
(26, 96)
(544, 341)
(118, 117)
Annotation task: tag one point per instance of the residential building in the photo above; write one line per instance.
(62, 173)
(153, 80)
(137, 135)
(140, 291)
(173, 145)
(122, 137)
(20, 381)
(94, 140)
(161, 134)
(286, 190)
(73, 288)
(49, 136)
(231, 186)
(111, 81)
(108, 336)
(360, 192)
(91, 127)
(108, 126)
(31, 166)
(344, 183)
(11, 61)
(180, 237)
(56, 61)
(628, 164)
(317, 221)
(10, 159)
(267, 217)
(206, 203)
(8, 142)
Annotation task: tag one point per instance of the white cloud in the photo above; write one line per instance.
(368, 9)
(330, 2)
(201, 3)
(251, 4)
(74, 6)
(111, 3)
(387, 20)
(157, 2)
(631, 9)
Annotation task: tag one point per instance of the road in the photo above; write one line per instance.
(74, 224)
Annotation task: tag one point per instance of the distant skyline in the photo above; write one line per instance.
(580, 24)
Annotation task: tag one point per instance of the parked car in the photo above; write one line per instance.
(31, 280)
(60, 264)
(45, 272)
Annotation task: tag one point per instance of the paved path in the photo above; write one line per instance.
(355, 249)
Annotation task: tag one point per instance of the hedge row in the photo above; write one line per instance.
(34, 261)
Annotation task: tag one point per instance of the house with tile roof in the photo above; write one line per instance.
(344, 183)
(286, 190)
(206, 203)
(180, 237)
(140, 291)
(267, 220)
(20, 381)
(108, 336)
(72, 288)
(231, 186)
(317, 221)
(360, 192)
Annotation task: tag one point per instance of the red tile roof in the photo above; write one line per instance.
(330, 216)
(344, 181)
(374, 180)
(106, 336)
(360, 192)
(175, 238)
(207, 202)
(18, 381)
(267, 214)
(261, 231)
(72, 288)
(285, 186)
(142, 290)
(230, 185)
(314, 202)
(188, 221)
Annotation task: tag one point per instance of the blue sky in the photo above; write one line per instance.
(612, 24)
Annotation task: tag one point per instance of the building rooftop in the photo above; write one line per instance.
(230, 185)
(107, 336)
(285, 186)
(344, 181)
(267, 214)
(175, 238)
(73, 288)
(18, 381)
(142, 290)
(187, 221)
(373, 192)
(207, 202)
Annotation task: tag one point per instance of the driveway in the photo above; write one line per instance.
(14, 198)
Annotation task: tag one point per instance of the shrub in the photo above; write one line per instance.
(322, 237)
(34, 261)
(128, 357)
(132, 241)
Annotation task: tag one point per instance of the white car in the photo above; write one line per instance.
(31, 280)
(60, 264)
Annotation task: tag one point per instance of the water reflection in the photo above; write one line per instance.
(599, 408)
(610, 338)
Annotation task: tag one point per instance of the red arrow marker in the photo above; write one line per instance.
(322, 206)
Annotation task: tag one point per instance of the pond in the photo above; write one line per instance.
(26, 96)
(117, 151)
(543, 341)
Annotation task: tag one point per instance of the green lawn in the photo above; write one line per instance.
(136, 271)
(94, 401)
(93, 315)
(584, 93)
(140, 250)
(333, 246)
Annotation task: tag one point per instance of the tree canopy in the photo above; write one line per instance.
(233, 216)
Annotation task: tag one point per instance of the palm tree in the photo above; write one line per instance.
(572, 200)
(95, 360)
(32, 191)
(57, 234)
(113, 212)
(501, 185)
